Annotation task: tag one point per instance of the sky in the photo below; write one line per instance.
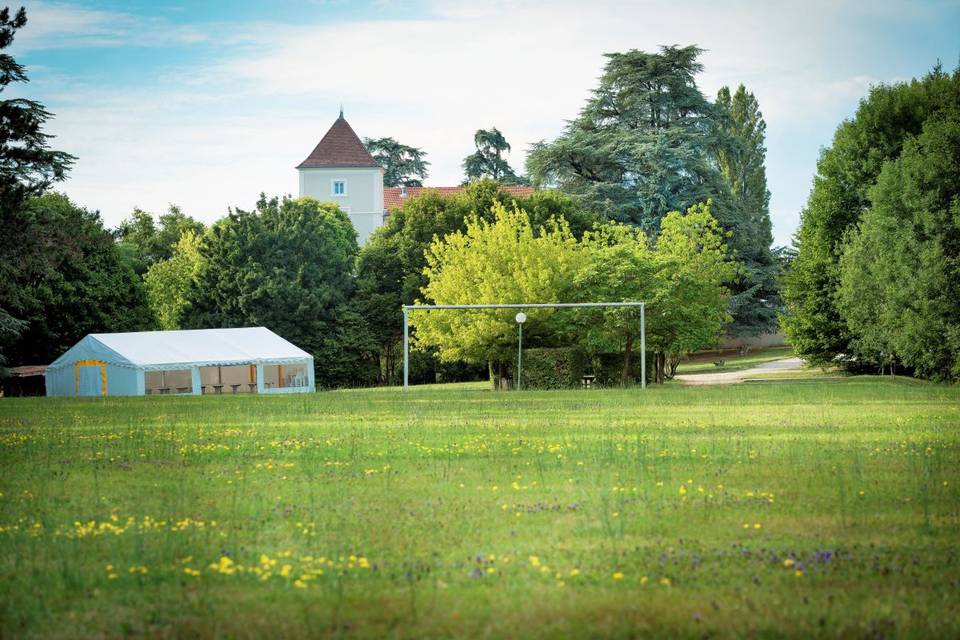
(207, 104)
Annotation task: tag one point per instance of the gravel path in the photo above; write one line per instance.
(733, 377)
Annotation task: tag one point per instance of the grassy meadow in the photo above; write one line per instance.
(783, 509)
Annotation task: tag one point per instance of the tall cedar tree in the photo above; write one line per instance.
(403, 166)
(648, 142)
(488, 161)
(846, 173)
(27, 168)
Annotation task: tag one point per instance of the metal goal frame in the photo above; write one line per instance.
(407, 308)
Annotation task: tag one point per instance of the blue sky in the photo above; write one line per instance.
(206, 104)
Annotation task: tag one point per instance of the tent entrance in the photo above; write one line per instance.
(87, 380)
(233, 379)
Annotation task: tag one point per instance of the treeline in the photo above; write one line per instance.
(646, 146)
(876, 282)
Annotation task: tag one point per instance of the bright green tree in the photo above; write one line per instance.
(391, 265)
(168, 281)
(846, 174)
(402, 165)
(620, 267)
(497, 261)
(689, 307)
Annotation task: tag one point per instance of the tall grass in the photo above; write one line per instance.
(788, 509)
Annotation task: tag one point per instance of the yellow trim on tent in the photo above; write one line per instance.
(90, 363)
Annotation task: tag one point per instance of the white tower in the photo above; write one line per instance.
(342, 171)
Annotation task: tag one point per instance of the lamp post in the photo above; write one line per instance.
(520, 318)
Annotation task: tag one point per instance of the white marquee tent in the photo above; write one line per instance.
(203, 361)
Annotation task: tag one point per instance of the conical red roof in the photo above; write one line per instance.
(340, 147)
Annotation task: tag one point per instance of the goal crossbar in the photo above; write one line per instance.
(407, 308)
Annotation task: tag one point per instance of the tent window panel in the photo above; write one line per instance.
(168, 382)
(229, 379)
(285, 376)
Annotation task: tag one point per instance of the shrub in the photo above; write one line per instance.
(561, 368)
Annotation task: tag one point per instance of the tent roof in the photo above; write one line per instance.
(201, 346)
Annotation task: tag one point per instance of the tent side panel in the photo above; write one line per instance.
(122, 381)
(310, 388)
(59, 382)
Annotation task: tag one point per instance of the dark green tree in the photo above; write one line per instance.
(740, 152)
(379, 297)
(82, 285)
(846, 173)
(900, 268)
(287, 266)
(27, 168)
(488, 161)
(403, 166)
(641, 146)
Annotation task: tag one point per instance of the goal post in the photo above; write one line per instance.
(407, 308)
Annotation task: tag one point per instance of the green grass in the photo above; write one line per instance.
(792, 509)
(701, 364)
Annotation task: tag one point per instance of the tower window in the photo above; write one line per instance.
(339, 188)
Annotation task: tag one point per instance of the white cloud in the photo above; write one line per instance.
(219, 132)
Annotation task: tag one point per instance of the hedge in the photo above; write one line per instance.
(560, 368)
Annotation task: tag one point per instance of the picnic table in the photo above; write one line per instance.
(184, 389)
(253, 386)
(217, 388)
(235, 387)
(163, 390)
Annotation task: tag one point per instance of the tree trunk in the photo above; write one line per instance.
(627, 353)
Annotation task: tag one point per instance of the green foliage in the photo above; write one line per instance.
(402, 165)
(75, 283)
(27, 165)
(621, 268)
(640, 146)
(846, 174)
(390, 267)
(900, 269)
(850, 481)
(607, 369)
(487, 161)
(27, 168)
(288, 266)
(168, 281)
(740, 151)
(504, 261)
(556, 368)
(145, 243)
(495, 262)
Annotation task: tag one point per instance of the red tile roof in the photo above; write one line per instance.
(340, 147)
(392, 198)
